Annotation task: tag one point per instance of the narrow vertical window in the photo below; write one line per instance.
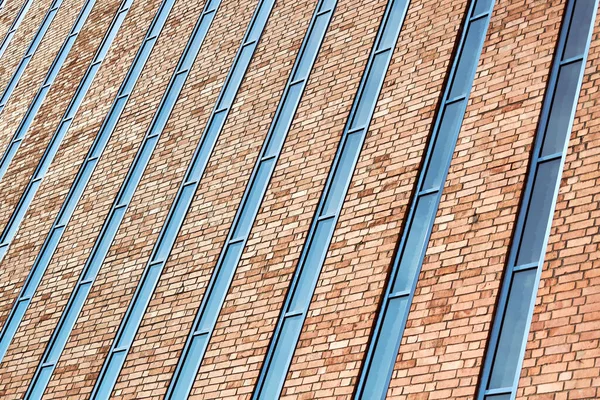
(389, 327)
(10, 230)
(206, 318)
(508, 339)
(59, 337)
(289, 325)
(183, 199)
(31, 49)
(82, 178)
(40, 96)
(14, 26)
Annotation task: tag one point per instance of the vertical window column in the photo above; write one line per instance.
(17, 216)
(40, 96)
(35, 43)
(134, 314)
(14, 26)
(408, 260)
(82, 178)
(206, 318)
(508, 339)
(298, 298)
(108, 232)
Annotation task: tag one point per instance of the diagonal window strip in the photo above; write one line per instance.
(83, 177)
(391, 320)
(33, 46)
(44, 164)
(14, 26)
(295, 308)
(67, 320)
(508, 338)
(40, 96)
(133, 316)
(204, 323)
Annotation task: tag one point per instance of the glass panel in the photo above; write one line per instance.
(514, 330)
(284, 120)
(416, 243)
(469, 58)
(444, 145)
(11, 327)
(282, 356)
(579, 29)
(194, 49)
(189, 368)
(76, 192)
(139, 306)
(371, 90)
(312, 46)
(237, 74)
(327, 5)
(208, 143)
(136, 68)
(13, 226)
(386, 350)
(218, 292)
(482, 6)
(311, 266)
(104, 244)
(392, 26)
(260, 20)
(38, 388)
(533, 241)
(42, 263)
(252, 203)
(498, 397)
(342, 175)
(563, 106)
(136, 173)
(70, 317)
(108, 380)
(169, 103)
(161, 18)
(175, 221)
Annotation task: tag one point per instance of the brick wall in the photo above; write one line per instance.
(443, 346)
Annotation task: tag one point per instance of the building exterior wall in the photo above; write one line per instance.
(444, 343)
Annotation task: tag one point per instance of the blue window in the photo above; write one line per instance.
(35, 42)
(220, 281)
(179, 209)
(10, 230)
(117, 212)
(408, 260)
(40, 96)
(15, 24)
(289, 325)
(508, 338)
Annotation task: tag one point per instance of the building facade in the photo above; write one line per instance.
(333, 199)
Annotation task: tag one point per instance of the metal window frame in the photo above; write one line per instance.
(117, 212)
(42, 92)
(238, 234)
(350, 129)
(151, 274)
(82, 178)
(535, 161)
(14, 25)
(420, 193)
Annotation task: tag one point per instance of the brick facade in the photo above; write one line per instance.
(444, 343)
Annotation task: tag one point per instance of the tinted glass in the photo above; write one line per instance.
(469, 58)
(533, 240)
(371, 90)
(563, 105)
(416, 243)
(284, 120)
(579, 28)
(385, 354)
(513, 330)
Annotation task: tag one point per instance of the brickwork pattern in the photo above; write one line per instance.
(448, 326)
